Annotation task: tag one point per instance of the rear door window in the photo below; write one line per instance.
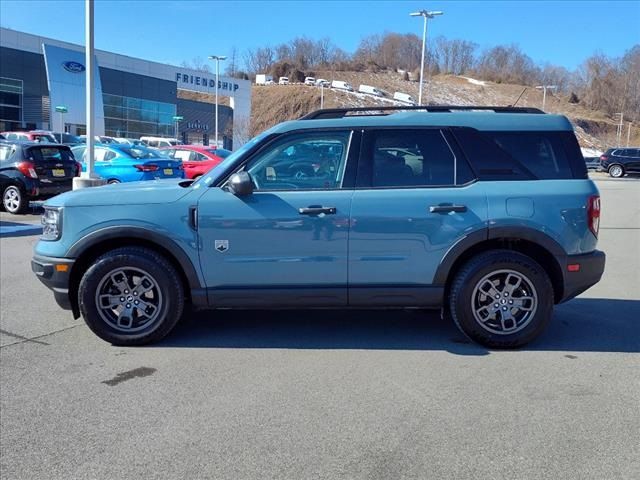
(542, 153)
(415, 158)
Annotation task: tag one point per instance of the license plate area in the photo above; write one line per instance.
(168, 171)
(57, 172)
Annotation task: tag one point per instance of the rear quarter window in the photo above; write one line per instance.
(542, 153)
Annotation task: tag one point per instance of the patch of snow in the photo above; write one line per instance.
(474, 81)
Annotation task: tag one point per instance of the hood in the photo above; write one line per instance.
(148, 192)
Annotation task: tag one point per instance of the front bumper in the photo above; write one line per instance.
(590, 273)
(55, 273)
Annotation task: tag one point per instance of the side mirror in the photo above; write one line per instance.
(240, 184)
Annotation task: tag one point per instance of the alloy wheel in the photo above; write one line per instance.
(12, 199)
(504, 302)
(616, 171)
(129, 299)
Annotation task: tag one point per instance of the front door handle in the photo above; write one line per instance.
(443, 208)
(317, 210)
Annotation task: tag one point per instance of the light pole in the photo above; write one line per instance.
(544, 92)
(426, 15)
(217, 58)
(619, 128)
(177, 119)
(61, 109)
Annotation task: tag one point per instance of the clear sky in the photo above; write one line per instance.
(559, 32)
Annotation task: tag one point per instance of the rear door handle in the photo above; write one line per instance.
(447, 208)
(317, 210)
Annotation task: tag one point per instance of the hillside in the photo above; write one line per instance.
(276, 103)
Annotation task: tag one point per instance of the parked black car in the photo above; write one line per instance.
(619, 161)
(32, 171)
(593, 163)
(67, 139)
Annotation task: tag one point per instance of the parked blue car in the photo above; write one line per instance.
(126, 163)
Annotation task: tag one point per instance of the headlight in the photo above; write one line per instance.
(51, 223)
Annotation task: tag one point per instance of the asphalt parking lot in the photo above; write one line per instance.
(325, 394)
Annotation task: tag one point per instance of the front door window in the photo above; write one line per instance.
(306, 161)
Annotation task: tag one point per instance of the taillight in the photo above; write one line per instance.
(603, 158)
(28, 169)
(147, 167)
(593, 214)
(78, 169)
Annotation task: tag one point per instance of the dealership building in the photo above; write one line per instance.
(134, 97)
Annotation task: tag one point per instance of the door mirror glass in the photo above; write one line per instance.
(240, 184)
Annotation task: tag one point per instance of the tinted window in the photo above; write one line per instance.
(220, 152)
(48, 154)
(5, 151)
(404, 158)
(302, 161)
(542, 153)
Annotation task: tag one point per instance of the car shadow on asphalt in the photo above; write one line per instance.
(584, 324)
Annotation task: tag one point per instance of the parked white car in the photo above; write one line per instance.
(404, 97)
(283, 81)
(160, 142)
(340, 85)
(321, 82)
(371, 90)
(309, 81)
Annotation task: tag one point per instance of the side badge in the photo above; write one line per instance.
(222, 245)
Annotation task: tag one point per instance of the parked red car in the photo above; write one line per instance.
(31, 136)
(196, 160)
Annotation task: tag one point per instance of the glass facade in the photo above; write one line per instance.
(10, 103)
(133, 117)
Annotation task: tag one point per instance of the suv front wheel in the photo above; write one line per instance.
(501, 299)
(131, 296)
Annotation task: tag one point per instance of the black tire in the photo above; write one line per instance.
(616, 170)
(13, 200)
(113, 181)
(465, 292)
(168, 292)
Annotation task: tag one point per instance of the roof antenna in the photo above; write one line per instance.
(521, 93)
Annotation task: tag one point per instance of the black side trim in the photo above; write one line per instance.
(492, 233)
(442, 273)
(396, 296)
(277, 297)
(526, 233)
(110, 233)
(590, 273)
(56, 281)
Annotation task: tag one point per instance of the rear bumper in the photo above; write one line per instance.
(55, 274)
(590, 273)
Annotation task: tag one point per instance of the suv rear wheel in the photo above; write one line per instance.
(13, 200)
(501, 299)
(131, 296)
(616, 171)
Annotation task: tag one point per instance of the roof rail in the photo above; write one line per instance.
(373, 110)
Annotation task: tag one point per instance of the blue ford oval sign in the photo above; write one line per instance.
(73, 67)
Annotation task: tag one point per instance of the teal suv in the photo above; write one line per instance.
(484, 212)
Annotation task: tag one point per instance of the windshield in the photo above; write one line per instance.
(216, 172)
